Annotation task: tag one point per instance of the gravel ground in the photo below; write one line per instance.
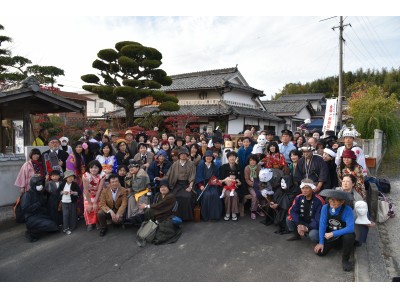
(389, 231)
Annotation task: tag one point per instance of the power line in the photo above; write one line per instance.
(354, 46)
(362, 44)
(385, 51)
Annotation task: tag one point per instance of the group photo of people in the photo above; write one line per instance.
(308, 184)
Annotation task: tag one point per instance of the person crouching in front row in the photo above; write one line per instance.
(336, 227)
(112, 204)
(303, 216)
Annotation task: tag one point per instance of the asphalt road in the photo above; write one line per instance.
(243, 251)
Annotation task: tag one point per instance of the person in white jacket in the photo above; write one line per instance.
(349, 136)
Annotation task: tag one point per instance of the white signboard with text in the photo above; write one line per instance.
(330, 115)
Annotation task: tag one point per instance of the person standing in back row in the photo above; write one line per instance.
(286, 146)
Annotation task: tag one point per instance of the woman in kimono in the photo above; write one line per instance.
(107, 160)
(348, 165)
(76, 163)
(34, 166)
(93, 182)
(210, 202)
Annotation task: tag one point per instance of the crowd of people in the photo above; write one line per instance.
(305, 184)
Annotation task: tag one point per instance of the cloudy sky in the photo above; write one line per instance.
(270, 51)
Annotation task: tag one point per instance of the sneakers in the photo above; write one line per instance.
(103, 232)
(234, 217)
(227, 216)
(89, 227)
(253, 216)
(232, 193)
(67, 231)
(222, 196)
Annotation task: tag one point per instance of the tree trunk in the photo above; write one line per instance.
(129, 112)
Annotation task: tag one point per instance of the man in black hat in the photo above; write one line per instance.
(336, 226)
(286, 146)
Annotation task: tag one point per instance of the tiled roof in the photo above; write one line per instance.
(72, 96)
(208, 79)
(277, 106)
(297, 97)
(203, 111)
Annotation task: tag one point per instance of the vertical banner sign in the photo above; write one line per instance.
(330, 115)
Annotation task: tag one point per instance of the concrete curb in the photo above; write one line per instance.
(370, 264)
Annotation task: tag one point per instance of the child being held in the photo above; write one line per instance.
(230, 187)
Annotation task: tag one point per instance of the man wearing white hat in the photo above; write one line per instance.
(304, 214)
(349, 136)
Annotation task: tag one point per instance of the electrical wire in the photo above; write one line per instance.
(385, 51)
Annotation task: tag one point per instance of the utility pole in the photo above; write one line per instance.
(340, 92)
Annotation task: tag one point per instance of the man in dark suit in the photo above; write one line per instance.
(55, 158)
(112, 204)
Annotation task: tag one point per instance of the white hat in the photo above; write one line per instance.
(330, 152)
(307, 182)
(350, 133)
(64, 138)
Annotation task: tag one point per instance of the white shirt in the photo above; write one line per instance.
(66, 198)
(114, 194)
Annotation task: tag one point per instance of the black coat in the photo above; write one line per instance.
(62, 155)
(74, 188)
(33, 205)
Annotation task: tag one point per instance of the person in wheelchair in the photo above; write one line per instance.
(163, 205)
(137, 184)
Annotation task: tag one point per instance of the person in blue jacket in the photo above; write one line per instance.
(336, 226)
(304, 214)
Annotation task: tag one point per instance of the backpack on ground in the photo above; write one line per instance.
(382, 184)
(146, 233)
(167, 232)
(17, 210)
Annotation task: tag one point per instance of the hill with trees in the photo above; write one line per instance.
(388, 80)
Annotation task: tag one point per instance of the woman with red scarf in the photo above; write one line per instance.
(34, 166)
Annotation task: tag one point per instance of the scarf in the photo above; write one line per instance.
(253, 171)
(38, 167)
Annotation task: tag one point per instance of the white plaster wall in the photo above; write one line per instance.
(9, 171)
(240, 97)
(92, 106)
(304, 114)
(235, 126)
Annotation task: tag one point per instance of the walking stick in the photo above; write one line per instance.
(202, 192)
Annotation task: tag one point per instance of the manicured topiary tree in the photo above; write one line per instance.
(129, 73)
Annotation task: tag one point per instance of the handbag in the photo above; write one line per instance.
(146, 233)
(196, 214)
(385, 208)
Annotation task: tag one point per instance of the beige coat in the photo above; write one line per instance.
(107, 202)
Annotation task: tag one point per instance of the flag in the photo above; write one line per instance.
(214, 181)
